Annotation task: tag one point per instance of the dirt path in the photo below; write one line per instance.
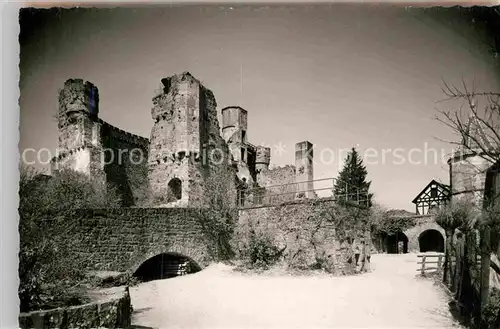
(388, 297)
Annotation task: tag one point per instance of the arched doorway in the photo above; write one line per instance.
(164, 266)
(431, 240)
(396, 243)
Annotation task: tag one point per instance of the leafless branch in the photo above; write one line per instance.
(480, 131)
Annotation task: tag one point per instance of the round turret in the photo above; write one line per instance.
(467, 176)
(234, 124)
(262, 158)
(468, 165)
(78, 98)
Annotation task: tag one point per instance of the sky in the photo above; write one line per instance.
(337, 75)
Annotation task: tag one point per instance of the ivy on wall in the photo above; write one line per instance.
(392, 225)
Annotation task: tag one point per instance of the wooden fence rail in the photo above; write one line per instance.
(426, 260)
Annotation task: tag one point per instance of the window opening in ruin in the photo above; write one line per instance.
(243, 136)
(92, 102)
(174, 190)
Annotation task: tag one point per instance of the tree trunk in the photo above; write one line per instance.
(485, 265)
(447, 275)
(459, 261)
(472, 285)
(466, 294)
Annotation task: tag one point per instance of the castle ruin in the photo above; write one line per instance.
(186, 146)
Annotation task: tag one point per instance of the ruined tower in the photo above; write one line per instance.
(185, 144)
(468, 170)
(262, 158)
(92, 146)
(304, 169)
(234, 132)
(80, 146)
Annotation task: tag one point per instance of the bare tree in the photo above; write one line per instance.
(458, 215)
(477, 122)
(478, 126)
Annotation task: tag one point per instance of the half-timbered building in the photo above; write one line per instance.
(433, 196)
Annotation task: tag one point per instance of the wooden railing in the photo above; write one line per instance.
(276, 194)
(430, 263)
(427, 262)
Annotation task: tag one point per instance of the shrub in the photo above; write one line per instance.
(49, 275)
(261, 251)
(491, 312)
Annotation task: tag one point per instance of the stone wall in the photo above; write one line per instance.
(116, 312)
(422, 224)
(304, 173)
(300, 226)
(89, 145)
(117, 156)
(277, 181)
(122, 239)
(125, 157)
(185, 140)
(78, 108)
(79, 146)
(468, 176)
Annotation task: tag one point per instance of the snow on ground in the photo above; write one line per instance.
(388, 297)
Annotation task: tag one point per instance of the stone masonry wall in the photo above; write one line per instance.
(89, 145)
(78, 108)
(413, 234)
(125, 162)
(79, 145)
(468, 175)
(113, 313)
(291, 225)
(276, 181)
(122, 239)
(185, 139)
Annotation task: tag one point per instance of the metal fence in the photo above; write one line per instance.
(312, 189)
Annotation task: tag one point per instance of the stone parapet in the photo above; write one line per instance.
(114, 312)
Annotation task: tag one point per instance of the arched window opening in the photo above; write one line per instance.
(165, 266)
(431, 240)
(174, 192)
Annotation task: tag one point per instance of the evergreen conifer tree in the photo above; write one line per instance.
(351, 185)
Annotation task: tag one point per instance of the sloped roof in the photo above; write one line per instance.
(443, 186)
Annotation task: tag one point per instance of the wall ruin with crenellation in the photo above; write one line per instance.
(125, 156)
(90, 145)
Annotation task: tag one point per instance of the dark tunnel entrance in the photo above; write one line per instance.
(431, 240)
(164, 266)
(396, 243)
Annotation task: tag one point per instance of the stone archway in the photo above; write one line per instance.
(165, 265)
(415, 232)
(396, 243)
(431, 240)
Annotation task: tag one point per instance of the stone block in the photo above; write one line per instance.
(84, 316)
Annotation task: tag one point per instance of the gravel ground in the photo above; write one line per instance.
(389, 297)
